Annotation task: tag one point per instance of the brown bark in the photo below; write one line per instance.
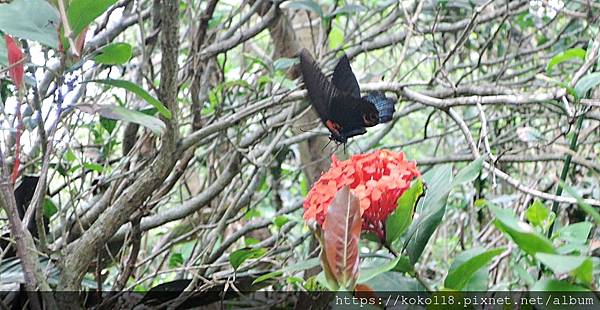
(79, 254)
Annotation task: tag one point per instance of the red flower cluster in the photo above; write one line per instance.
(377, 179)
(15, 61)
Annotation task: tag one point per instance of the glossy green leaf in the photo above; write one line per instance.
(547, 285)
(569, 54)
(114, 54)
(460, 274)
(267, 276)
(468, 173)
(537, 213)
(34, 20)
(404, 265)
(587, 82)
(366, 274)
(238, 257)
(108, 124)
(394, 281)
(81, 13)
(431, 211)
(49, 208)
(575, 233)
(561, 264)
(308, 5)
(585, 272)
(521, 233)
(401, 218)
(124, 114)
(140, 92)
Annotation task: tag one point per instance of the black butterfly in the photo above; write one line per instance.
(339, 104)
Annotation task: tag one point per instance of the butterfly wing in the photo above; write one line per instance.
(383, 104)
(352, 112)
(344, 79)
(320, 90)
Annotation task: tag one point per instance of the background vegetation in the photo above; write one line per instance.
(166, 140)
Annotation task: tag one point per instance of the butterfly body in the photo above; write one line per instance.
(338, 102)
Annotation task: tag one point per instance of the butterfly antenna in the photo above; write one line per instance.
(310, 131)
(326, 145)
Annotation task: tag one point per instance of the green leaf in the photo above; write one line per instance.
(94, 167)
(70, 156)
(49, 208)
(81, 13)
(124, 114)
(284, 63)
(108, 124)
(460, 274)
(140, 92)
(565, 56)
(336, 38)
(560, 263)
(401, 218)
(240, 256)
(250, 241)
(404, 265)
(593, 213)
(585, 272)
(308, 5)
(547, 285)
(302, 265)
(586, 83)
(468, 173)
(267, 276)
(394, 281)
(431, 211)
(34, 20)
(175, 260)
(570, 90)
(3, 55)
(575, 233)
(366, 274)
(522, 234)
(114, 54)
(280, 220)
(537, 213)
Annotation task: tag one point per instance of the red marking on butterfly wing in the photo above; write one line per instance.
(333, 127)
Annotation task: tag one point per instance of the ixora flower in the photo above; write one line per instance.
(377, 179)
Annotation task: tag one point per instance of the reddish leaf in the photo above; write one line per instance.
(364, 291)
(341, 233)
(15, 61)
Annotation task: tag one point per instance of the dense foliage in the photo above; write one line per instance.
(151, 142)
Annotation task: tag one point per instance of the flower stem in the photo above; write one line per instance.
(565, 170)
